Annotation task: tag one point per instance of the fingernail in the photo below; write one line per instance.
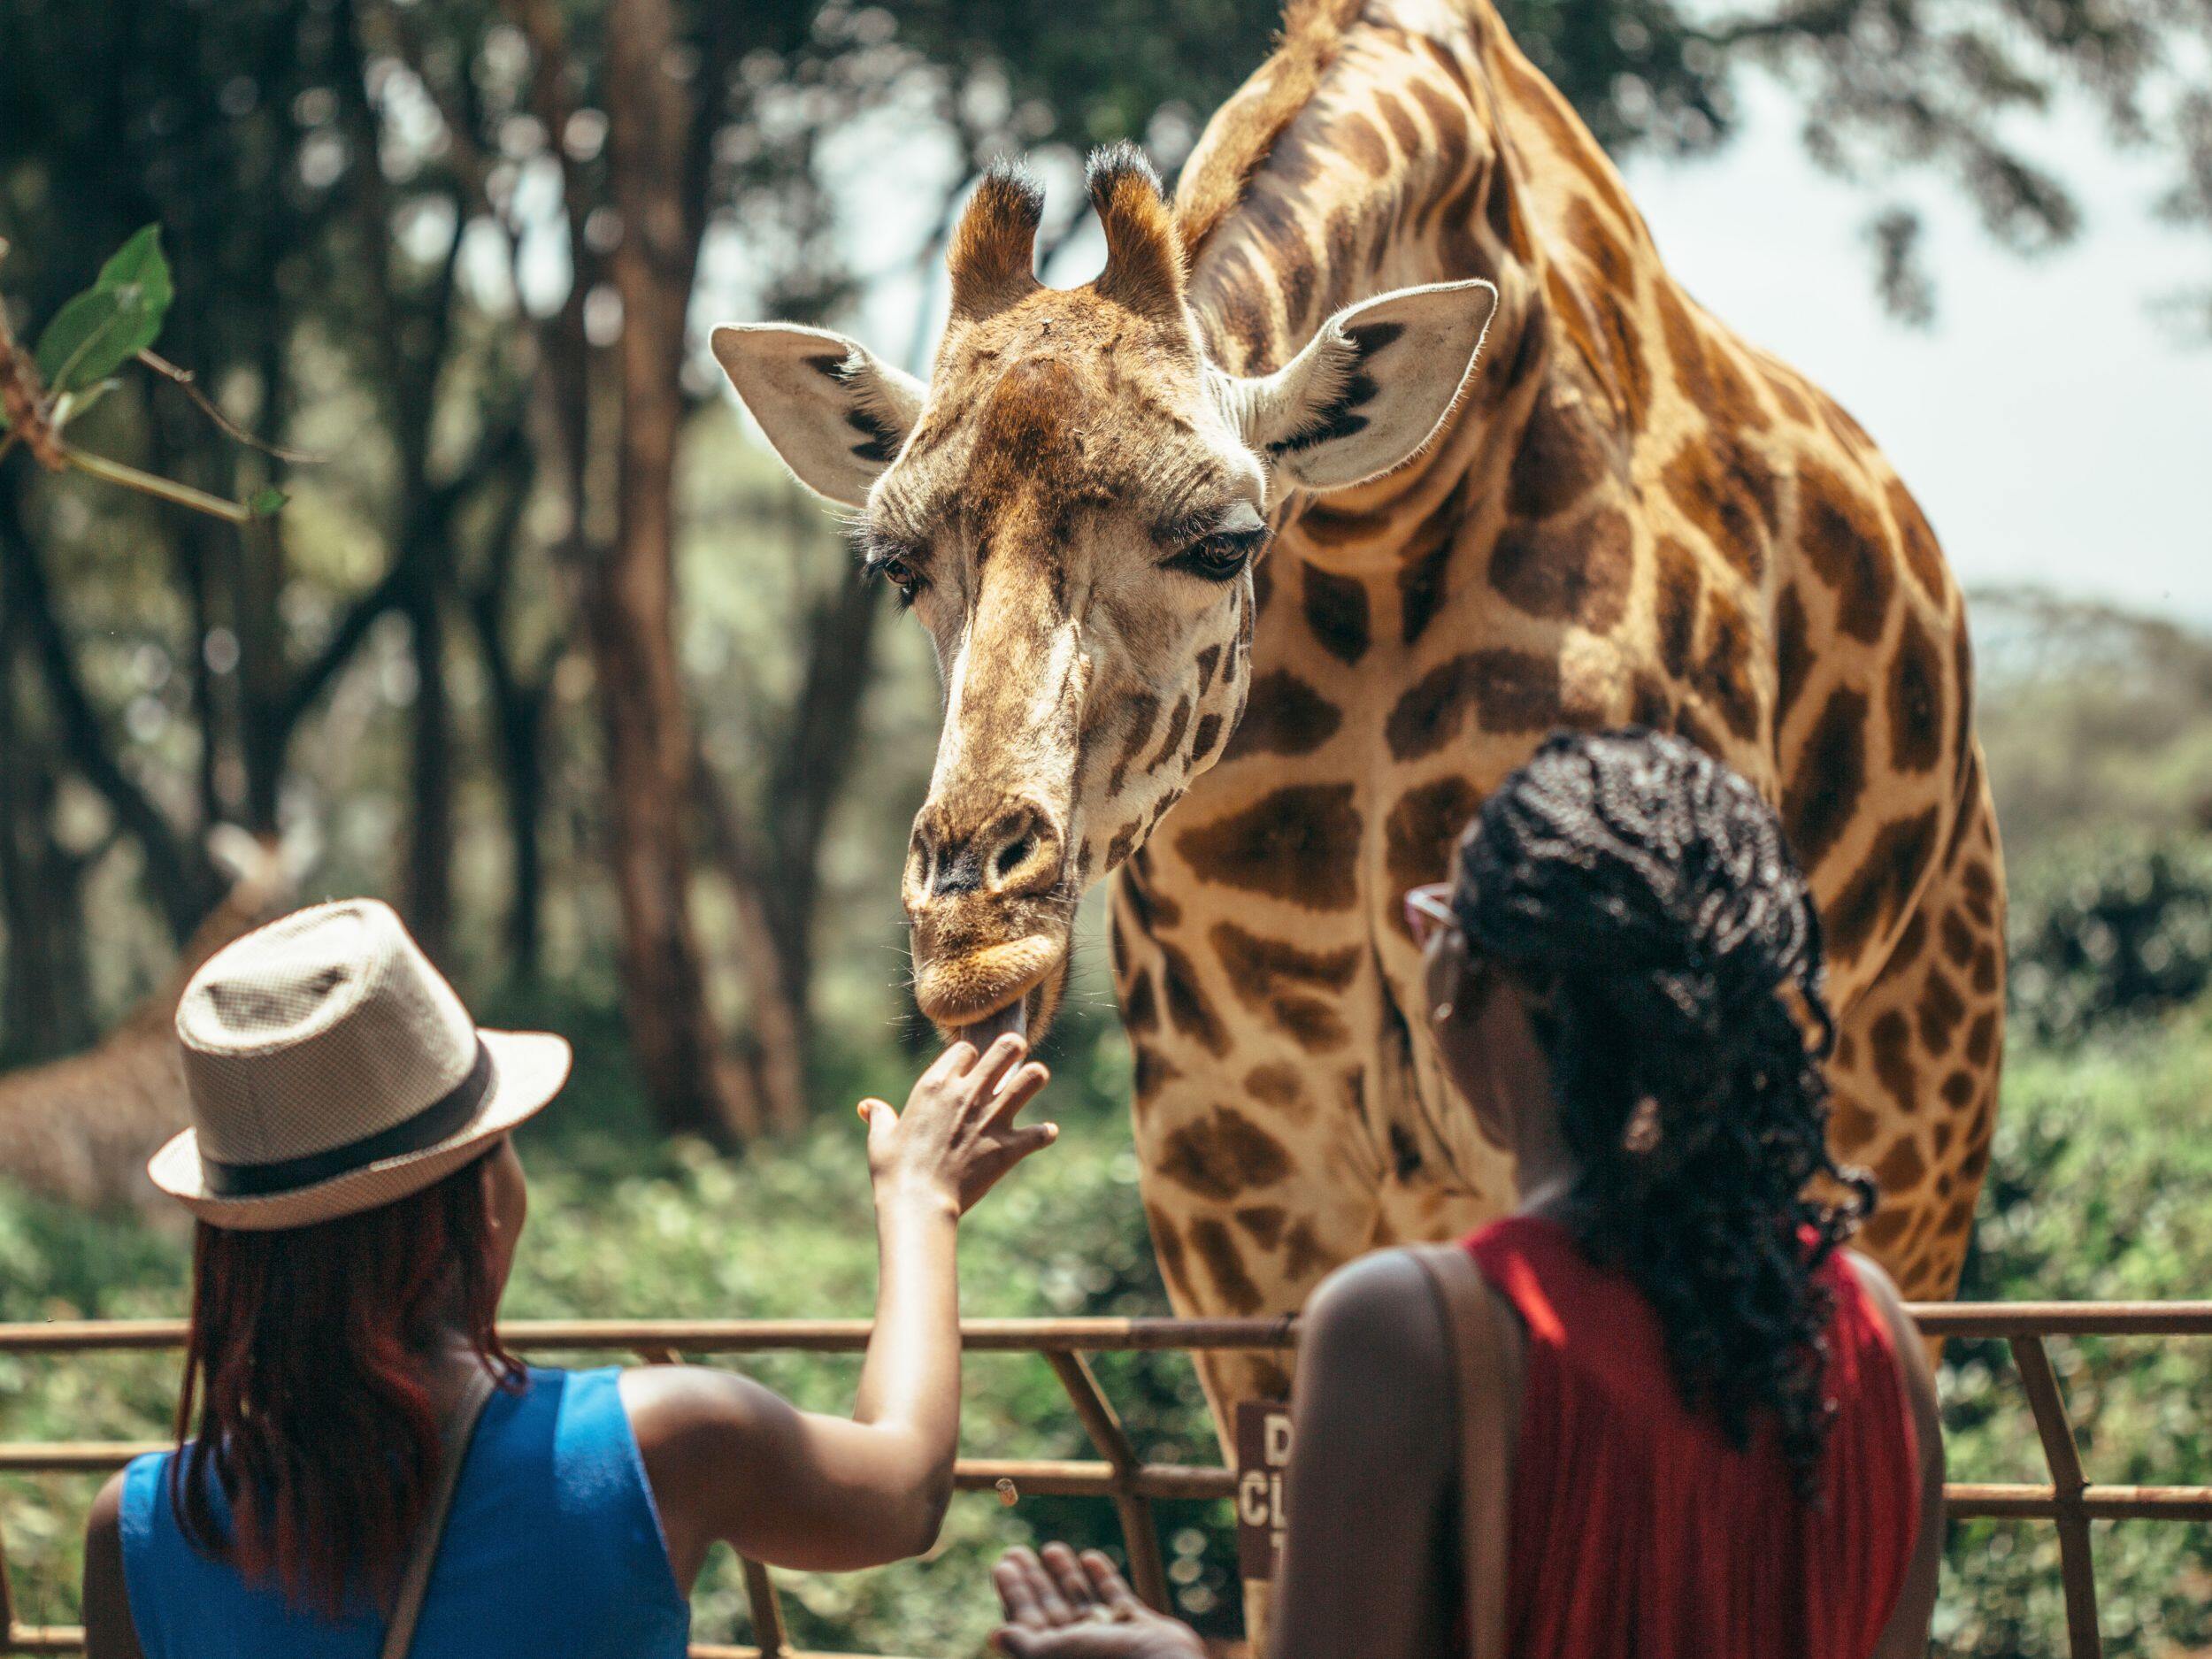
(1052, 1131)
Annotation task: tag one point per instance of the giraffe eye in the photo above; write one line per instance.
(1221, 556)
(898, 569)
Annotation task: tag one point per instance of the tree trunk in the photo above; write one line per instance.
(648, 737)
(429, 881)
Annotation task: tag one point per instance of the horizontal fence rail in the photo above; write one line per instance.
(2070, 1499)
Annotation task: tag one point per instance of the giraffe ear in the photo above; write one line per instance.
(835, 413)
(1372, 387)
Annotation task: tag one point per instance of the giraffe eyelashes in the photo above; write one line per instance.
(1222, 553)
(892, 562)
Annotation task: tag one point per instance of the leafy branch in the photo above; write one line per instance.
(74, 365)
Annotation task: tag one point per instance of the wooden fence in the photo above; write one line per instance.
(2069, 1499)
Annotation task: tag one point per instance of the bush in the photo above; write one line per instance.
(2104, 938)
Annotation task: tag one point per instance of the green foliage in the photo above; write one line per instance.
(111, 322)
(2096, 1191)
(2114, 937)
(2100, 1187)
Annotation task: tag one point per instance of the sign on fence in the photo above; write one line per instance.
(1263, 1453)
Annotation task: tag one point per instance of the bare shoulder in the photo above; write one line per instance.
(1912, 1354)
(1377, 1315)
(693, 1408)
(1881, 1290)
(107, 1518)
(104, 1526)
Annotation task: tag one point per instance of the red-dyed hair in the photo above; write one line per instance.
(305, 1365)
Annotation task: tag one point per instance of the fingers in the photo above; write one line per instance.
(1069, 1577)
(1109, 1585)
(1005, 1152)
(880, 1120)
(999, 1058)
(1053, 1608)
(948, 1065)
(1016, 1092)
(1014, 1580)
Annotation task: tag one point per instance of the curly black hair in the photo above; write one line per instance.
(1641, 896)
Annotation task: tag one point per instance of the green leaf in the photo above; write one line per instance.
(111, 321)
(140, 263)
(266, 501)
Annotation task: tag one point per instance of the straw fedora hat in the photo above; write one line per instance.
(332, 1069)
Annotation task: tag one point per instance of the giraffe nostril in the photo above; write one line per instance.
(1013, 854)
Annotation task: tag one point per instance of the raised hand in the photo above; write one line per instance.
(957, 1134)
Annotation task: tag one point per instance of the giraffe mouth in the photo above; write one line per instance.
(978, 994)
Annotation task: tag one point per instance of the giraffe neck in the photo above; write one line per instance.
(1365, 155)
(1370, 155)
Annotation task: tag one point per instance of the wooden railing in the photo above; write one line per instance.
(2070, 1499)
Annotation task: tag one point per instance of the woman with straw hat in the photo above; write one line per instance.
(369, 1471)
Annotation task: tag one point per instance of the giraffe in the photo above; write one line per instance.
(79, 1129)
(1229, 617)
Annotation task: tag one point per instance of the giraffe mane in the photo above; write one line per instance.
(1244, 131)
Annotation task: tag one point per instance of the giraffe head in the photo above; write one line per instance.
(1073, 505)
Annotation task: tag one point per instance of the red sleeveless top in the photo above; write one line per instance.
(1638, 1533)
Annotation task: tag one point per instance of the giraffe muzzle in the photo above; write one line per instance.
(985, 897)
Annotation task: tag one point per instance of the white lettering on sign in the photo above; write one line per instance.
(1263, 1453)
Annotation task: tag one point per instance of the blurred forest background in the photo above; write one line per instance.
(488, 604)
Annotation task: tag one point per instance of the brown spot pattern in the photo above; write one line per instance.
(1917, 729)
(1186, 1006)
(1225, 1264)
(1336, 612)
(1823, 791)
(1874, 896)
(1563, 455)
(1844, 542)
(1917, 543)
(1223, 1155)
(1578, 573)
(1508, 691)
(1287, 982)
(1890, 1042)
(1724, 489)
(1284, 716)
(1418, 834)
(1676, 600)
(1297, 843)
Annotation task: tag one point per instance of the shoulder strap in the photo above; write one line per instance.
(1486, 1345)
(454, 1433)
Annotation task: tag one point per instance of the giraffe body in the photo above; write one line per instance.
(1627, 516)
(1634, 518)
(79, 1129)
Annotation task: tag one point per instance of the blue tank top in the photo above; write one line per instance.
(552, 1546)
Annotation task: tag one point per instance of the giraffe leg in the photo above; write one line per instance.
(1916, 1064)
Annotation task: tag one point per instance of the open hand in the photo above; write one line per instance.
(1058, 1607)
(957, 1134)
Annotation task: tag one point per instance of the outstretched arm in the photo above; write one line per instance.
(731, 1461)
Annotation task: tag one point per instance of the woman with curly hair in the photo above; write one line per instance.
(1666, 1415)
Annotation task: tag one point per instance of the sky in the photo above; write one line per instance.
(2055, 430)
